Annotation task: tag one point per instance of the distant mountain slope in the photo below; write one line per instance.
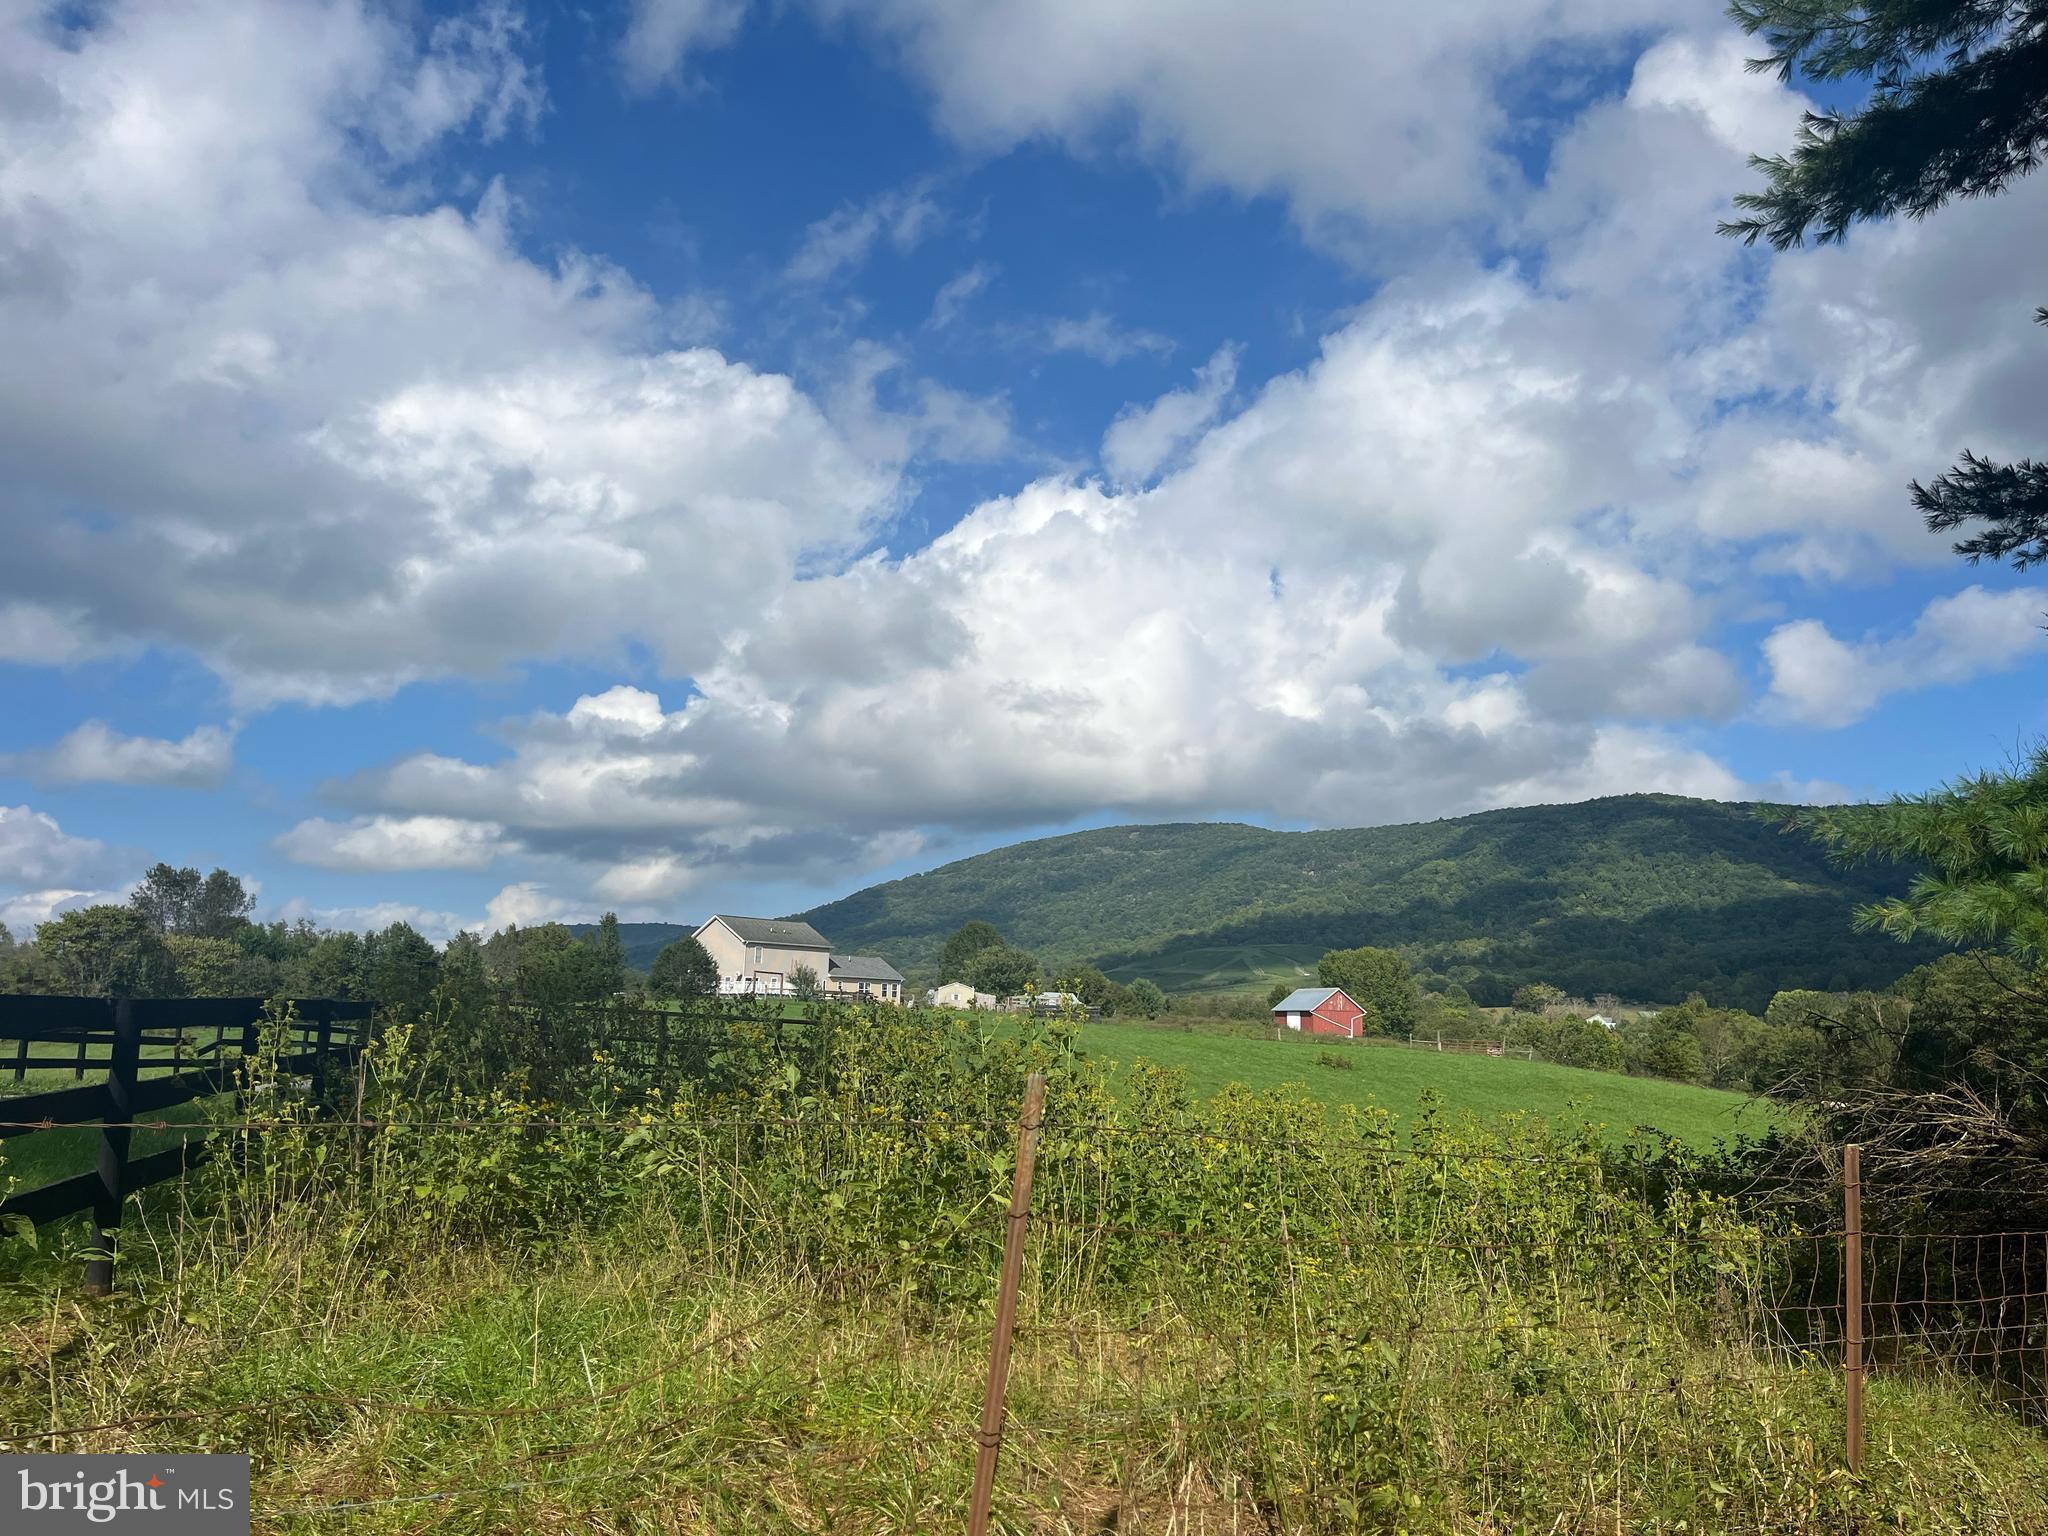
(1648, 896)
(643, 941)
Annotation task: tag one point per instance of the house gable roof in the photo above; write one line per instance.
(1307, 999)
(780, 932)
(864, 968)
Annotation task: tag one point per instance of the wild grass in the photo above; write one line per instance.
(762, 1301)
(626, 1385)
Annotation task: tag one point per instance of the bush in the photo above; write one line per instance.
(1572, 1042)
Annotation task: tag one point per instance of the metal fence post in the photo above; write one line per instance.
(990, 1439)
(1854, 1366)
(114, 1139)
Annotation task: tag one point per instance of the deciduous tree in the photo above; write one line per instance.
(554, 968)
(182, 901)
(206, 967)
(683, 969)
(337, 965)
(401, 968)
(1003, 970)
(1378, 980)
(956, 960)
(108, 951)
(221, 907)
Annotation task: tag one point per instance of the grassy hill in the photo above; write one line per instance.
(1397, 1078)
(1647, 896)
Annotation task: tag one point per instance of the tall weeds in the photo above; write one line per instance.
(757, 1297)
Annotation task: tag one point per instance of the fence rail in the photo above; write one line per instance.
(125, 1038)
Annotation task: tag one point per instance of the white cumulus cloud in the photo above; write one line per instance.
(45, 870)
(235, 287)
(1819, 679)
(1372, 110)
(96, 753)
(1144, 437)
(385, 843)
(1483, 546)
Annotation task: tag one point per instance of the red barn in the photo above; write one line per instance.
(1320, 1011)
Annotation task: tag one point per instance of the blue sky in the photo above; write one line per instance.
(472, 462)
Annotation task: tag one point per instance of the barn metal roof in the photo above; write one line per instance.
(1305, 999)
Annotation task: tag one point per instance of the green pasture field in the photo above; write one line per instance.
(1396, 1078)
(43, 1157)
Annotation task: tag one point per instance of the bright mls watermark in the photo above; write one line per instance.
(160, 1495)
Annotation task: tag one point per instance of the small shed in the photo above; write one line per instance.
(1320, 1011)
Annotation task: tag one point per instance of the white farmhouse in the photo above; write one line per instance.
(763, 955)
(760, 956)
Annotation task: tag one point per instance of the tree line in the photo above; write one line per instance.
(183, 934)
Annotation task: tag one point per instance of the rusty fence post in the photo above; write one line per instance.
(990, 1439)
(1854, 1365)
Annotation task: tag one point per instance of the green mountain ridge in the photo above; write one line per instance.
(1646, 896)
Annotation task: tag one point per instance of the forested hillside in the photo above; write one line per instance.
(1647, 896)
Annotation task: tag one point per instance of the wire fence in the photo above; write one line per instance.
(1167, 1322)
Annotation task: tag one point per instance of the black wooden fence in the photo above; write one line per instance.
(151, 1054)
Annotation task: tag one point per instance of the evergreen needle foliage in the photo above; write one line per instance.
(1983, 841)
(1958, 107)
(2011, 500)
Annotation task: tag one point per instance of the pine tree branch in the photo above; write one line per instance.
(1968, 128)
(2012, 499)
